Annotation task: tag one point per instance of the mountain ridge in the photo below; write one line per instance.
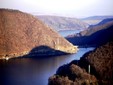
(21, 32)
(93, 20)
(97, 17)
(93, 35)
(63, 23)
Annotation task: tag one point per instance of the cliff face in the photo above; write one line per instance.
(21, 32)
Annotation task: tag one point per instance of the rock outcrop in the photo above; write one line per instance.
(21, 32)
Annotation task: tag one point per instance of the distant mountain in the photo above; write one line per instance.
(94, 28)
(94, 35)
(63, 23)
(23, 34)
(105, 21)
(95, 19)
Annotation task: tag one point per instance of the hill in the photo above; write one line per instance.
(77, 72)
(94, 28)
(97, 17)
(93, 20)
(20, 33)
(101, 62)
(95, 35)
(63, 23)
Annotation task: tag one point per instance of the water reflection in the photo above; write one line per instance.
(31, 71)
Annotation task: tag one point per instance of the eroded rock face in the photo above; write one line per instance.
(21, 32)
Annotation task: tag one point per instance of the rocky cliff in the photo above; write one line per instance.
(21, 32)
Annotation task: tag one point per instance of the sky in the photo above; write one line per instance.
(68, 8)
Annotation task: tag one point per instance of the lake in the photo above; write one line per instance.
(31, 71)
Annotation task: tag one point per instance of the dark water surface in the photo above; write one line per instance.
(31, 71)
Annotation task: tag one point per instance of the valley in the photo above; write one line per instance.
(33, 48)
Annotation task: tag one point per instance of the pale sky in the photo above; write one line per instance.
(69, 8)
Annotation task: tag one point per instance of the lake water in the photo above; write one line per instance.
(31, 71)
(65, 33)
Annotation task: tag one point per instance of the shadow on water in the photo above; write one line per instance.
(34, 69)
(31, 69)
(41, 52)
